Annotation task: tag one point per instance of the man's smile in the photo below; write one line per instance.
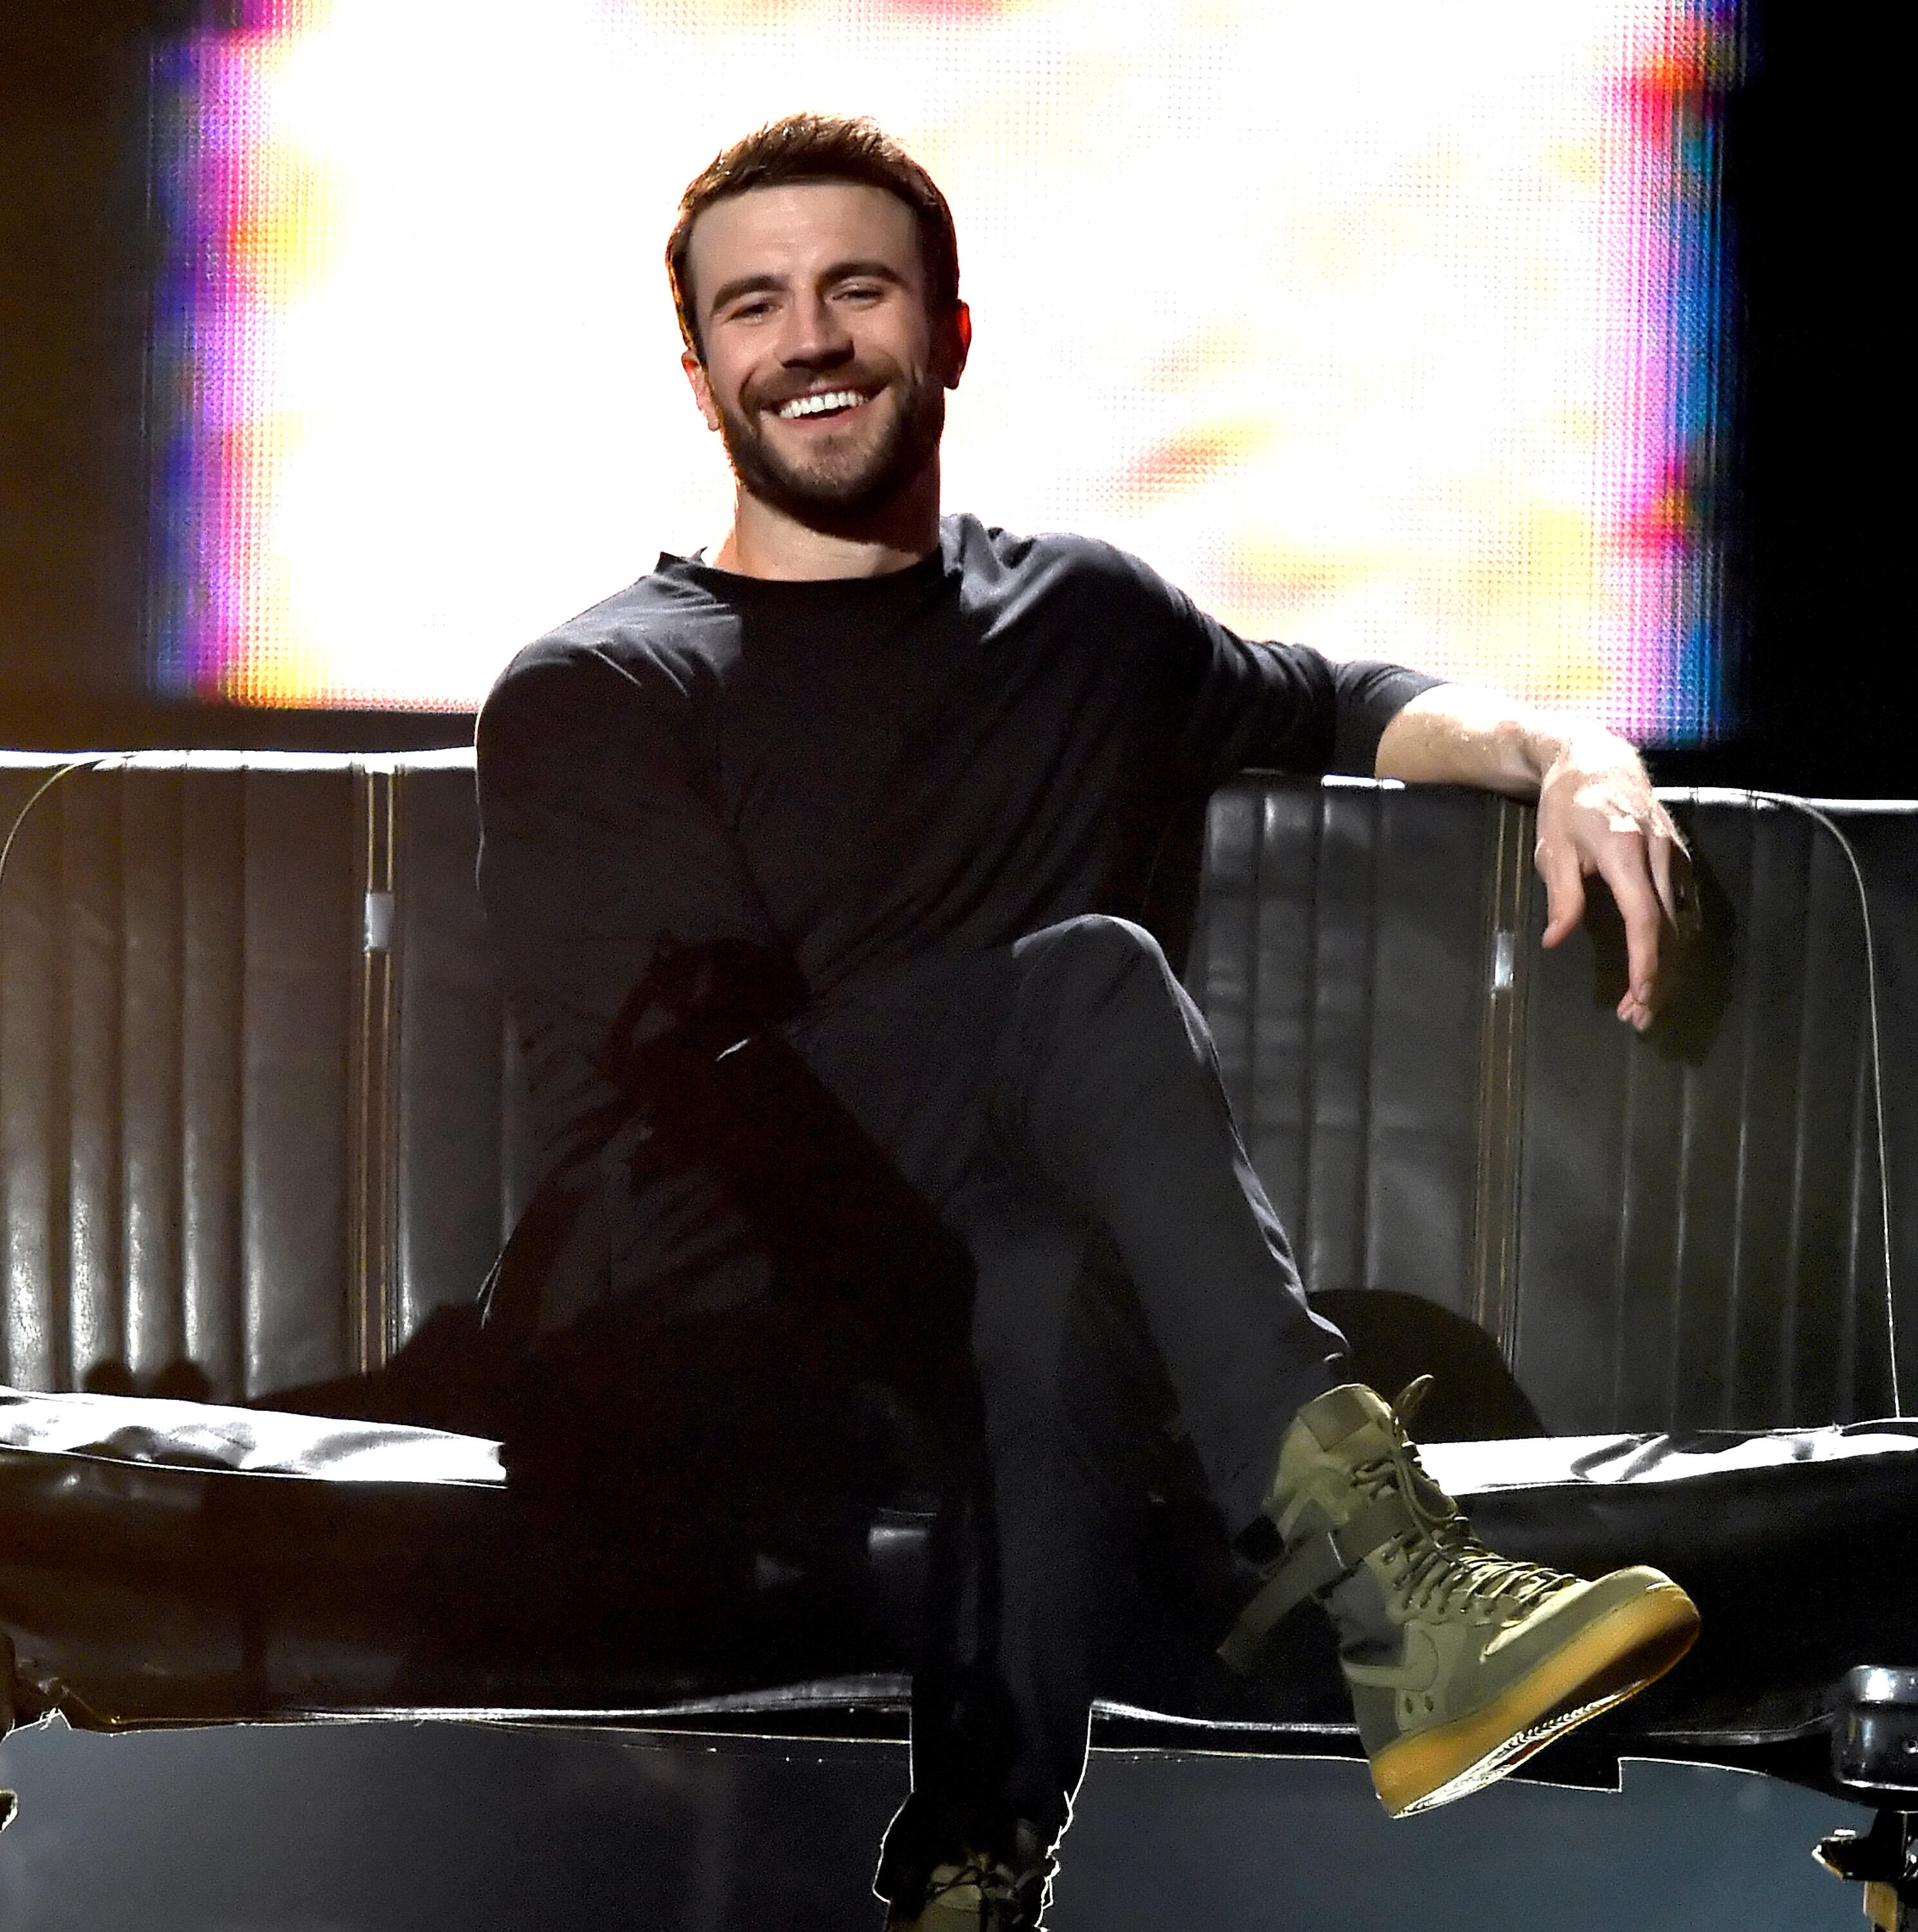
(826, 402)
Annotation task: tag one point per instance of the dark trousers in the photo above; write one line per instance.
(1058, 1104)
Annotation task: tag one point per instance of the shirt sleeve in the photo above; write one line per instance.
(600, 841)
(602, 857)
(1284, 707)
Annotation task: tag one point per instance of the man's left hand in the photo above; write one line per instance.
(1597, 814)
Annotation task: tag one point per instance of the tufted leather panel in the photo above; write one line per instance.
(1677, 1232)
(1339, 957)
(1701, 1243)
(256, 1087)
(257, 1107)
(176, 957)
(459, 1158)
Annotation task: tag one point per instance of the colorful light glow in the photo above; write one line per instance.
(1395, 331)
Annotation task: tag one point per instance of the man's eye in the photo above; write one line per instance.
(863, 291)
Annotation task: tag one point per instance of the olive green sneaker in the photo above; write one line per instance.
(1460, 1664)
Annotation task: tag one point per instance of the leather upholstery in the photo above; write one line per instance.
(285, 1567)
(460, 1163)
(248, 1127)
(176, 999)
(1701, 1239)
(1680, 1231)
(258, 1112)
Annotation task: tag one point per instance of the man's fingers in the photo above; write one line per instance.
(1565, 889)
(1625, 869)
(1661, 852)
(1598, 813)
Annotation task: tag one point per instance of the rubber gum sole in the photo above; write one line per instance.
(1625, 1650)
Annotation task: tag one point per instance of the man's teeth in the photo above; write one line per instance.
(814, 406)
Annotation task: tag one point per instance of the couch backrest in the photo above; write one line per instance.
(1686, 1231)
(258, 1108)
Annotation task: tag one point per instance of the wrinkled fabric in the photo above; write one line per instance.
(201, 1435)
(162, 1589)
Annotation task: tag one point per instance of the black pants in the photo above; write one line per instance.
(1058, 1104)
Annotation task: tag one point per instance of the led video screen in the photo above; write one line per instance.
(1395, 330)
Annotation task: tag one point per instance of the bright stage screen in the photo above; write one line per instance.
(1394, 329)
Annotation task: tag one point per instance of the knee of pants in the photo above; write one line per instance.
(1098, 991)
(1095, 951)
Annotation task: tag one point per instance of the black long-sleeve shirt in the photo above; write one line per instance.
(850, 774)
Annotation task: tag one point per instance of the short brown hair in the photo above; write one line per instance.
(816, 147)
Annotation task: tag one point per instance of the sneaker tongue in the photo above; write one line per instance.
(1344, 1412)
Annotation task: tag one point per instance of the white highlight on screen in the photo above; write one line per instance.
(1346, 318)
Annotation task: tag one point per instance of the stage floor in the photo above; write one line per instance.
(405, 1828)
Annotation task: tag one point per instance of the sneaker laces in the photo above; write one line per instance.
(1447, 1566)
(1011, 1899)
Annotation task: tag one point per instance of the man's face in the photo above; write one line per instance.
(823, 374)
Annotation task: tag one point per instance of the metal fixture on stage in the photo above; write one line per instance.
(1875, 1753)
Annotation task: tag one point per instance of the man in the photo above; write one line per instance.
(839, 838)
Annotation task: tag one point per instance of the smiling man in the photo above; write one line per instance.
(819, 865)
(825, 373)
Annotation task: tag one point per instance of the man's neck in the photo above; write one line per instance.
(764, 541)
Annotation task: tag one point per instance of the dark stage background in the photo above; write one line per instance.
(350, 1830)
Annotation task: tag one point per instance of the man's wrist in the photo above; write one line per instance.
(1580, 745)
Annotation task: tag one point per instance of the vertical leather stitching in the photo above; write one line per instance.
(1681, 1242)
(1622, 1247)
(371, 1313)
(1368, 1164)
(1304, 1241)
(1795, 1283)
(1855, 1233)
(1495, 1208)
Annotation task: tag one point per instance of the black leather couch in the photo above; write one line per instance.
(259, 1121)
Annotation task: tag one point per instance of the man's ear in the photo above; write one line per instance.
(697, 376)
(959, 343)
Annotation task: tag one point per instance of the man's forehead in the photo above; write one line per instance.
(799, 225)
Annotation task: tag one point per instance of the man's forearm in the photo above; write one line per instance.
(1458, 734)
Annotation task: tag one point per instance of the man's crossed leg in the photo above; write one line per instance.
(1059, 1098)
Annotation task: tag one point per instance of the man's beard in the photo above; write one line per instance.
(827, 497)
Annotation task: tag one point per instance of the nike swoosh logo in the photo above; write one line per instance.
(1416, 1669)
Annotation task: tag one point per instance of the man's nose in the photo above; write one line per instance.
(816, 336)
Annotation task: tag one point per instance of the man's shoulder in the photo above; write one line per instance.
(631, 668)
(993, 558)
(659, 626)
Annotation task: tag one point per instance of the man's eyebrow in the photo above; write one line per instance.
(838, 271)
(745, 285)
(846, 271)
